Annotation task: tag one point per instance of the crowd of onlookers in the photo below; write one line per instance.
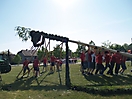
(97, 62)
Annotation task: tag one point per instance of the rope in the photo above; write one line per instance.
(46, 49)
(31, 57)
(49, 49)
(61, 50)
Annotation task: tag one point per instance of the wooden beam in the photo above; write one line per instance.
(103, 48)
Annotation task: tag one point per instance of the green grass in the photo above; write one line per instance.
(103, 85)
(52, 86)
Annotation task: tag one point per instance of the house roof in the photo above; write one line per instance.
(28, 52)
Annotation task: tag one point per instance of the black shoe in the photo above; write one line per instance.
(82, 72)
(111, 74)
(108, 73)
(91, 73)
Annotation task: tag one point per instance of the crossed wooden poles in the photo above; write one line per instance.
(33, 52)
(30, 59)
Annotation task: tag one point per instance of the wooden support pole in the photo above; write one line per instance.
(68, 82)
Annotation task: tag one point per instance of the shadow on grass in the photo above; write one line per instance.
(102, 85)
(109, 80)
(102, 92)
(27, 83)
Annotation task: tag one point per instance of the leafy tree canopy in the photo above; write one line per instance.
(17, 59)
(23, 32)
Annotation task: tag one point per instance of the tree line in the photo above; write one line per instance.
(59, 52)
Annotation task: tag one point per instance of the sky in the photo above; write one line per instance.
(79, 20)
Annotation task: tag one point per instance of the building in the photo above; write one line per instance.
(28, 54)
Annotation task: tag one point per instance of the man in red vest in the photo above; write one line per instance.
(52, 61)
(118, 62)
(36, 67)
(82, 57)
(44, 64)
(25, 67)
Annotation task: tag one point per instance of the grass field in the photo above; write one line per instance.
(52, 86)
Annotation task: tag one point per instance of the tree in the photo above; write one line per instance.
(23, 32)
(80, 49)
(74, 54)
(116, 47)
(40, 54)
(125, 45)
(91, 43)
(17, 59)
(63, 54)
(43, 52)
(70, 53)
(106, 44)
(130, 47)
(122, 48)
(58, 51)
